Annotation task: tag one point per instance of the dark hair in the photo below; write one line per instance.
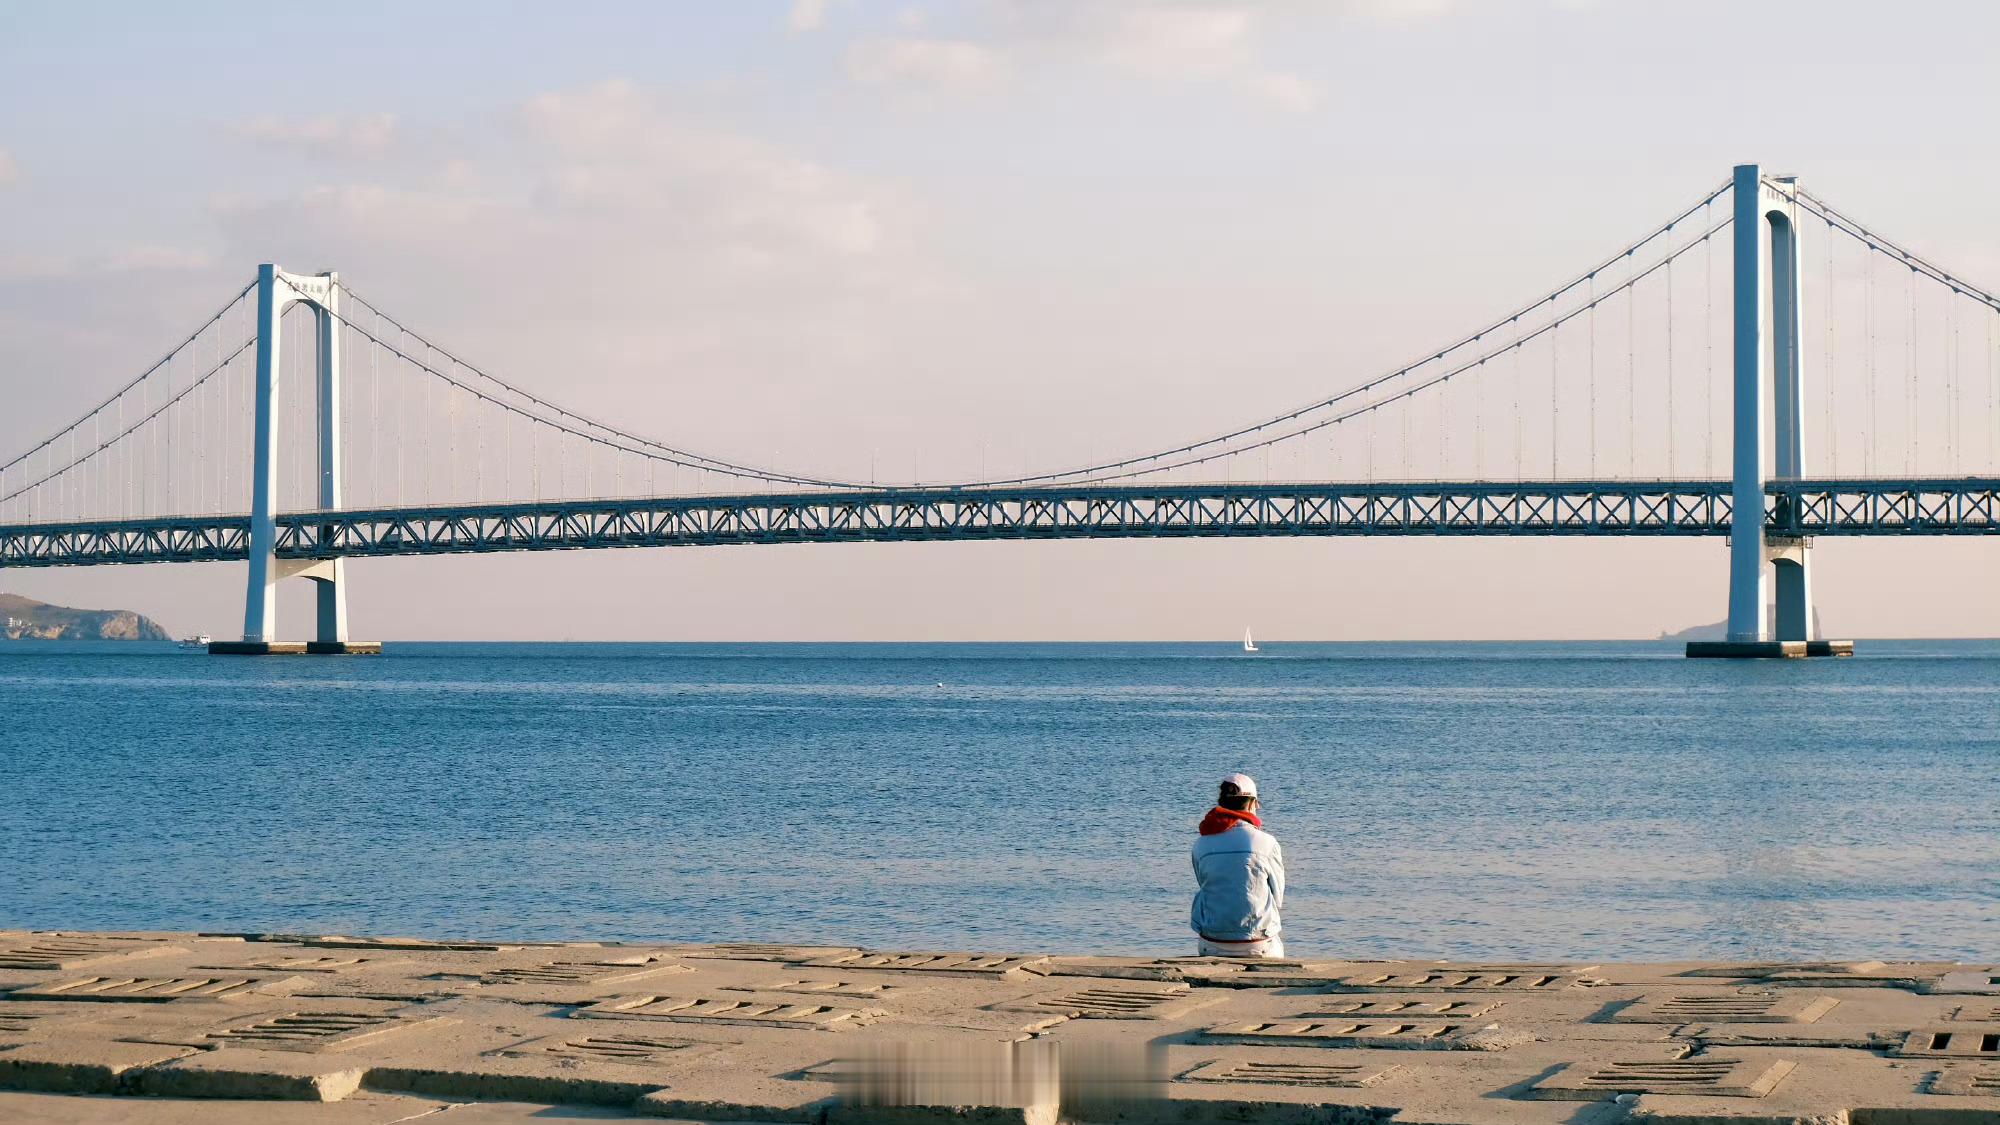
(1233, 799)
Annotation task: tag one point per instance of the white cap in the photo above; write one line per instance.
(1246, 786)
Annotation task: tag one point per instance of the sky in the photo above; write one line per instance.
(942, 239)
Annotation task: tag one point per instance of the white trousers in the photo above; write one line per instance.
(1262, 947)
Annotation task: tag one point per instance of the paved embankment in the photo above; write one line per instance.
(156, 1027)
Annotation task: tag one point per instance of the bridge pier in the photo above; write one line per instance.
(276, 292)
(1766, 243)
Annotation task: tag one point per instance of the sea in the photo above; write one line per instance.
(1474, 801)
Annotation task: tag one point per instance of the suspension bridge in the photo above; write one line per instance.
(1668, 390)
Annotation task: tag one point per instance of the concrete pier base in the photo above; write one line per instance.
(1766, 650)
(295, 648)
(344, 648)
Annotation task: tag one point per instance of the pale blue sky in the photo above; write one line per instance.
(1041, 230)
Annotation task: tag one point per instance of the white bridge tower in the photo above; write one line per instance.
(277, 291)
(1769, 400)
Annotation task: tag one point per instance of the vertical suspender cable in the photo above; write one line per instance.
(451, 444)
(1444, 429)
(1951, 386)
(425, 423)
(1555, 419)
(1631, 369)
(1403, 410)
(1673, 460)
(1910, 387)
(1708, 346)
(147, 454)
(1829, 371)
(1514, 354)
(1868, 329)
(1479, 422)
(1590, 417)
(1371, 423)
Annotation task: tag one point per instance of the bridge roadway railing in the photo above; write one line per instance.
(1807, 508)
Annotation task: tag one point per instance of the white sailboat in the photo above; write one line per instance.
(1248, 644)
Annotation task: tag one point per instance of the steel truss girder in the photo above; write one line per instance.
(1969, 506)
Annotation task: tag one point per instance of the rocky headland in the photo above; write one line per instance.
(25, 619)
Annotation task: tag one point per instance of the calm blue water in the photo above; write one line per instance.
(1494, 800)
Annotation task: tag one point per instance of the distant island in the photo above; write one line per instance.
(25, 619)
(1720, 630)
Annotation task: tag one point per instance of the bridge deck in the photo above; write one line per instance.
(1959, 506)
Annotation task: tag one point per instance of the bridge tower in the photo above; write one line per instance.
(1769, 399)
(278, 291)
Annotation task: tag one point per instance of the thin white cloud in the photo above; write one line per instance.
(806, 15)
(1286, 91)
(606, 194)
(929, 63)
(1398, 11)
(1158, 40)
(10, 171)
(361, 136)
(614, 148)
(1177, 41)
(134, 258)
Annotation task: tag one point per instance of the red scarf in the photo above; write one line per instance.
(1221, 820)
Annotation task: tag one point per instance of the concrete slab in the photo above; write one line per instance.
(580, 973)
(1957, 1041)
(263, 1075)
(1153, 968)
(53, 951)
(610, 1045)
(563, 982)
(834, 986)
(1789, 1035)
(1460, 980)
(521, 1080)
(1968, 1082)
(727, 1011)
(980, 964)
(1726, 1007)
(305, 963)
(1913, 977)
(1708, 1076)
(79, 1066)
(358, 1109)
(1133, 1001)
(1760, 969)
(1403, 1008)
(682, 1107)
(1421, 1036)
(765, 951)
(315, 1031)
(25, 1020)
(1135, 1039)
(1981, 981)
(1288, 1073)
(113, 988)
(415, 945)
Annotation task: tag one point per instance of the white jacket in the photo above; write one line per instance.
(1242, 884)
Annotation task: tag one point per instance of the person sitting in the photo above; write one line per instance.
(1241, 875)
